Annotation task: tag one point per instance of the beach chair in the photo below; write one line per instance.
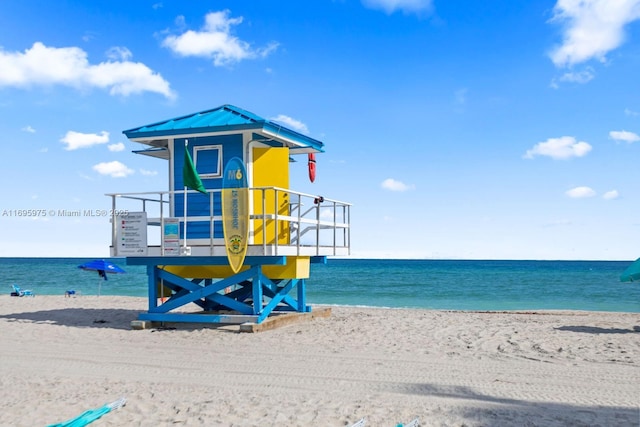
(22, 292)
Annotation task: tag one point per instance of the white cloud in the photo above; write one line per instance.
(610, 195)
(580, 193)
(118, 146)
(592, 28)
(69, 67)
(28, 129)
(580, 77)
(291, 122)
(461, 96)
(326, 214)
(148, 172)
(559, 148)
(75, 140)
(407, 6)
(623, 135)
(119, 53)
(113, 169)
(631, 113)
(216, 41)
(394, 185)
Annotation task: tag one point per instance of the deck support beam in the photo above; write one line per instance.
(246, 296)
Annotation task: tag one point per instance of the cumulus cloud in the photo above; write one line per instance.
(580, 193)
(580, 77)
(611, 195)
(291, 122)
(113, 169)
(629, 112)
(394, 185)
(215, 41)
(559, 148)
(146, 172)
(327, 214)
(42, 66)
(75, 140)
(119, 146)
(407, 6)
(119, 53)
(592, 28)
(28, 129)
(623, 135)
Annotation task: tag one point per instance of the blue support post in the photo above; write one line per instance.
(256, 291)
(302, 297)
(153, 287)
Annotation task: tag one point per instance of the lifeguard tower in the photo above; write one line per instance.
(199, 272)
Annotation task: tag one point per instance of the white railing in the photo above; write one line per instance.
(282, 221)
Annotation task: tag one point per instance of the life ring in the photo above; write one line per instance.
(312, 167)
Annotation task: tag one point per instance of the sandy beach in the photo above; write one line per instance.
(62, 356)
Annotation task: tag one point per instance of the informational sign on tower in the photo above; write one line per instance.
(171, 237)
(131, 234)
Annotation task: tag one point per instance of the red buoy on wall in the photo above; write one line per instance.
(312, 167)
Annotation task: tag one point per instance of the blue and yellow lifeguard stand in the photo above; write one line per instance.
(189, 276)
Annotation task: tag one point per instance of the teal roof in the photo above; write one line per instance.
(222, 119)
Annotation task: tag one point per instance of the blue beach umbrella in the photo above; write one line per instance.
(102, 267)
(632, 273)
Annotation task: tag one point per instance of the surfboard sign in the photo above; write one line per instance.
(235, 212)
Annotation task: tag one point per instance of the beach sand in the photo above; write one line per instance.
(62, 356)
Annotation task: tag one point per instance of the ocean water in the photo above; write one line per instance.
(431, 284)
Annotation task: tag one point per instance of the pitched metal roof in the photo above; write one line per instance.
(223, 119)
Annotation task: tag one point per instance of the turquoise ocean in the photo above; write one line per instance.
(430, 284)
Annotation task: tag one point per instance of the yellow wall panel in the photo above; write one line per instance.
(295, 268)
(270, 169)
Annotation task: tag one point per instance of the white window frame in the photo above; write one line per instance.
(198, 148)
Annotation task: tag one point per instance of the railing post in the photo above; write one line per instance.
(211, 224)
(318, 226)
(275, 228)
(334, 228)
(348, 231)
(264, 221)
(113, 225)
(299, 225)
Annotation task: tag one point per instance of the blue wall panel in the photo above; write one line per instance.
(198, 203)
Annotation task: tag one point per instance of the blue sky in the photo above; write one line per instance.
(466, 130)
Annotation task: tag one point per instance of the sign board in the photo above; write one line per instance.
(131, 234)
(171, 237)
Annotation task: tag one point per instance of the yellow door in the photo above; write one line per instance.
(271, 169)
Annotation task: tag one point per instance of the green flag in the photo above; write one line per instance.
(190, 175)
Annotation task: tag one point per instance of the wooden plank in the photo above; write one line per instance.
(280, 320)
